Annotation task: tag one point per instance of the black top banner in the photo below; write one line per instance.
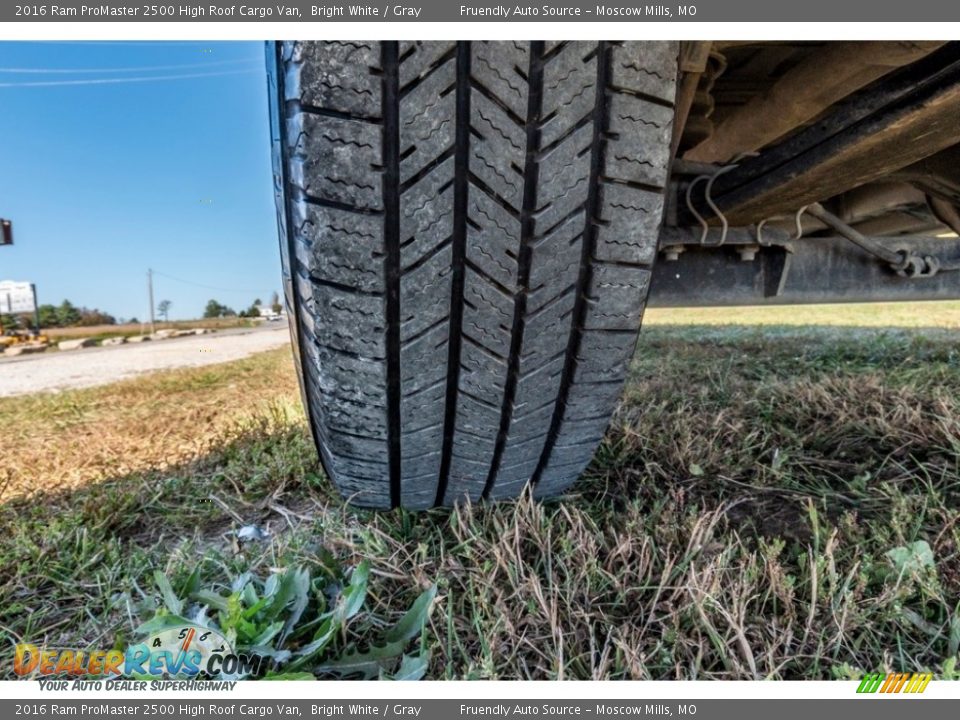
(574, 11)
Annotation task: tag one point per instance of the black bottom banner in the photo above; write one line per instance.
(875, 707)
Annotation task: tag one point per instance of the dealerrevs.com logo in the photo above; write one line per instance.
(178, 652)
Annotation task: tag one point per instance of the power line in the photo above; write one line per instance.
(113, 81)
(206, 287)
(194, 43)
(142, 68)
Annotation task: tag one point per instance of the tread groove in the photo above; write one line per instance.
(330, 112)
(390, 62)
(417, 81)
(524, 261)
(577, 317)
(336, 205)
(459, 256)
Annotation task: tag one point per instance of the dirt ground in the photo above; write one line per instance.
(56, 371)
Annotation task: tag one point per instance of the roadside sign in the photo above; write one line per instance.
(6, 232)
(16, 297)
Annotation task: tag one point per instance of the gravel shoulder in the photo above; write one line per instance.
(98, 366)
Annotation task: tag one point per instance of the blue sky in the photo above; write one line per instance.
(106, 179)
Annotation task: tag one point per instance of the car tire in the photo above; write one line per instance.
(467, 232)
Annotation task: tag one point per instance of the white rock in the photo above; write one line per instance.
(252, 533)
(75, 344)
(25, 349)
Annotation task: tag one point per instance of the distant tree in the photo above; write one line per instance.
(8, 323)
(67, 314)
(275, 303)
(133, 321)
(48, 316)
(163, 307)
(95, 317)
(252, 311)
(214, 310)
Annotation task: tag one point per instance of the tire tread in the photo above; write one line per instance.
(479, 339)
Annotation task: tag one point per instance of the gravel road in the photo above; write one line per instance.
(62, 370)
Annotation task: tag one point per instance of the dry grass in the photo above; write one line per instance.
(736, 522)
(55, 442)
(927, 314)
(128, 329)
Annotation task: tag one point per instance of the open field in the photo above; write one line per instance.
(770, 501)
(101, 332)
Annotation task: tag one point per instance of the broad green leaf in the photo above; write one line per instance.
(268, 634)
(170, 599)
(320, 641)
(192, 583)
(290, 588)
(412, 667)
(328, 626)
(911, 558)
(271, 586)
(240, 582)
(208, 597)
(953, 643)
(256, 607)
(247, 631)
(369, 664)
(355, 593)
(249, 594)
(201, 618)
(300, 591)
(413, 621)
(915, 619)
(366, 664)
(159, 623)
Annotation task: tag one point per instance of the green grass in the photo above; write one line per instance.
(762, 506)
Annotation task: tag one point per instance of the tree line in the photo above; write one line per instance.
(216, 309)
(66, 314)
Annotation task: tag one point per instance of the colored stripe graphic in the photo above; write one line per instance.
(870, 683)
(894, 683)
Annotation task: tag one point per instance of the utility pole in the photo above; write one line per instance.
(36, 310)
(6, 238)
(150, 293)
